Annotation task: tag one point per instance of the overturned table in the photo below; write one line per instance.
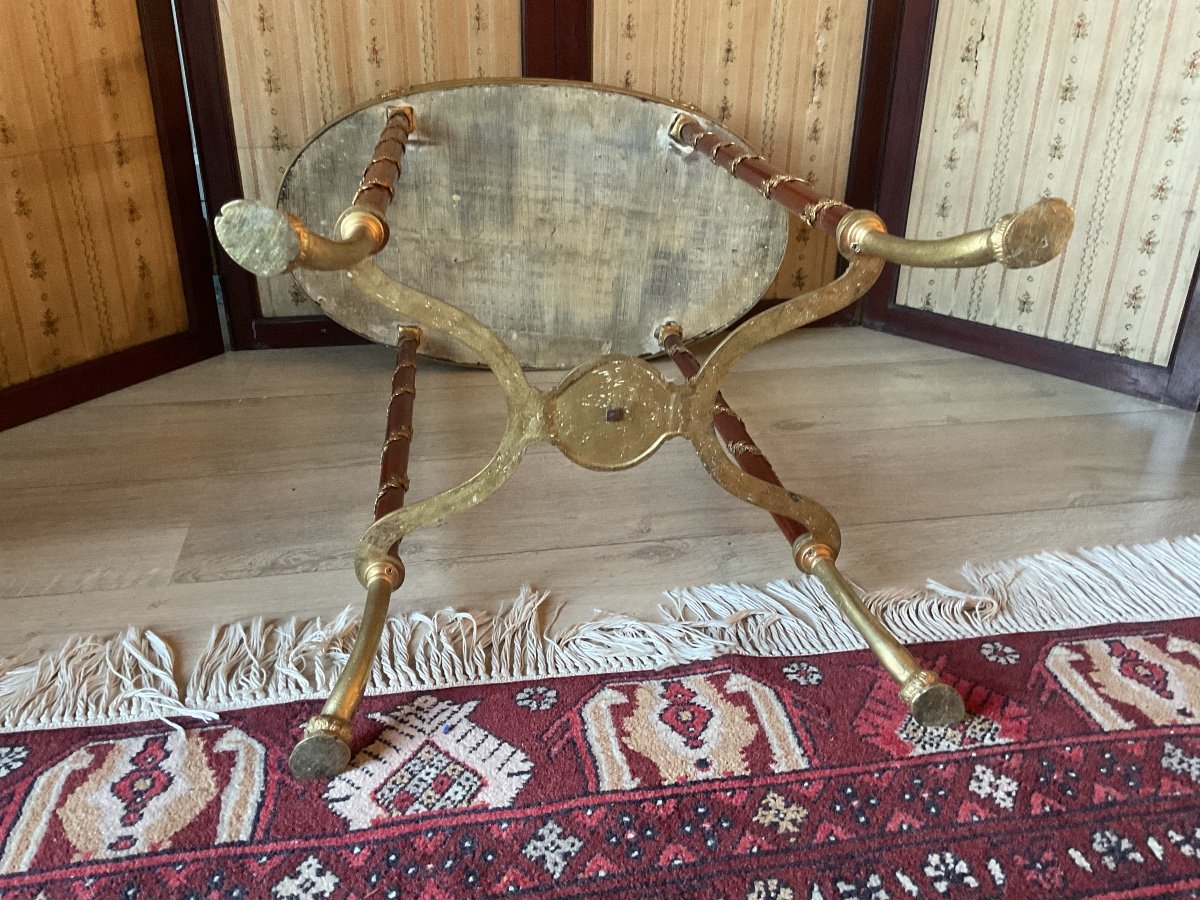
(542, 224)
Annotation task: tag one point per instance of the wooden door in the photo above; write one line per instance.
(105, 262)
(990, 106)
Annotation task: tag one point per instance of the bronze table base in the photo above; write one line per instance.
(614, 411)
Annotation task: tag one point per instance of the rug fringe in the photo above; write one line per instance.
(1048, 591)
(127, 678)
(255, 662)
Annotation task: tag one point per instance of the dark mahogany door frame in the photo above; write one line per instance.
(1177, 383)
(204, 66)
(556, 39)
(202, 338)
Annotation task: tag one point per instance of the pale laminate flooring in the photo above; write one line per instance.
(239, 487)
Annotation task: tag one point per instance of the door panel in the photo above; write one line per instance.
(89, 263)
(1087, 101)
(294, 68)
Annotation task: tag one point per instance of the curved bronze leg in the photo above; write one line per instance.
(324, 750)
(268, 242)
(932, 701)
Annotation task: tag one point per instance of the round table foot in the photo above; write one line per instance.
(324, 750)
(938, 704)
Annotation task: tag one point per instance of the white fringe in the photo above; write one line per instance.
(128, 678)
(92, 681)
(1049, 591)
(251, 663)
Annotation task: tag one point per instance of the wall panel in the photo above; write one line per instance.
(782, 74)
(88, 264)
(293, 68)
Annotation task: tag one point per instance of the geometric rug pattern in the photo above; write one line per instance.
(1077, 773)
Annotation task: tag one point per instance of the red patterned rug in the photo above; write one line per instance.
(1077, 774)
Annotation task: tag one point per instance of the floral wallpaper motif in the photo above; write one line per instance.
(88, 263)
(781, 74)
(1089, 100)
(294, 68)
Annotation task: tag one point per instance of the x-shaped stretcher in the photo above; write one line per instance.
(614, 411)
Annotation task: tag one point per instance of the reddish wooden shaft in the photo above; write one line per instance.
(733, 432)
(794, 194)
(393, 464)
(378, 184)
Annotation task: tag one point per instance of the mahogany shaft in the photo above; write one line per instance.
(378, 184)
(733, 432)
(393, 462)
(794, 194)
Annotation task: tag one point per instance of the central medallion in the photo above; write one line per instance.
(613, 413)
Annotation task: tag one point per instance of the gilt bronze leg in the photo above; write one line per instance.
(267, 242)
(932, 701)
(1020, 240)
(324, 750)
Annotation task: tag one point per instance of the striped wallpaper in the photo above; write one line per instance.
(87, 261)
(1092, 100)
(782, 74)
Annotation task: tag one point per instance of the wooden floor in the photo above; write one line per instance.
(239, 486)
